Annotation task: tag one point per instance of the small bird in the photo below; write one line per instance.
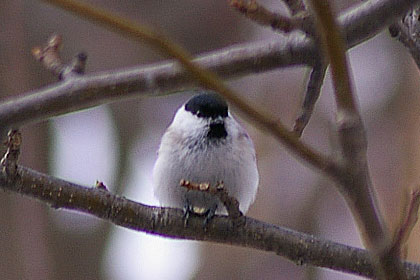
(205, 144)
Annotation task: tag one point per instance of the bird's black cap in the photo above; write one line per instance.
(207, 105)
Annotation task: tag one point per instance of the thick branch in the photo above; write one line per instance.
(358, 24)
(206, 78)
(368, 19)
(102, 88)
(297, 247)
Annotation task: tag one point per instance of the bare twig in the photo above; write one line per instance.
(49, 55)
(410, 220)
(271, 125)
(206, 78)
(358, 24)
(297, 247)
(76, 66)
(313, 90)
(352, 138)
(384, 11)
(102, 88)
(50, 58)
(254, 11)
(335, 51)
(231, 203)
(118, 204)
(356, 185)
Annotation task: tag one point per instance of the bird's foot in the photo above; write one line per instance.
(208, 214)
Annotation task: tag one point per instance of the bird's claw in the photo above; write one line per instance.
(208, 214)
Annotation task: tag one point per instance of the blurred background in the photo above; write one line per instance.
(117, 144)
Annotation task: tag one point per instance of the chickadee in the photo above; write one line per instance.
(205, 144)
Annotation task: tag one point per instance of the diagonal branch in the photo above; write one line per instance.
(206, 78)
(84, 92)
(399, 243)
(356, 185)
(313, 91)
(370, 17)
(258, 13)
(297, 247)
(358, 25)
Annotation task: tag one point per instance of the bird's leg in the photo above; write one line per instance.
(209, 215)
(188, 209)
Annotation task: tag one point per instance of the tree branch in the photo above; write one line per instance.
(83, 92)
(358, 24)
(399, 243)
(206, 78)
(356, 185)
(297, 247)
(49, 55)
(369, 18)
(256, 12)
(313, 91)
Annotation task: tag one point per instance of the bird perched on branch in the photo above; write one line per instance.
(205, 144)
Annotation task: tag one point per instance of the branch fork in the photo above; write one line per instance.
(49, 56)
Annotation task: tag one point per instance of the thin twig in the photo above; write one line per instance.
(359, 24)
(210, 80)
(298, 247)
(76, 66)
(256, 12)
(313, 91)
(335, 51)
(407, 226)
(102, 88)
(49, 55)
(352, 138)
(206, 78)
(356, 36)
(356, 184)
